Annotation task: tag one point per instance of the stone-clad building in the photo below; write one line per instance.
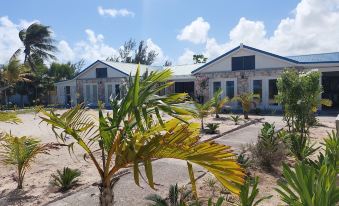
(243, 69)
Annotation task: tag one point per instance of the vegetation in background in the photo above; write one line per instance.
(199, 58)
(269, 149)
(249, 198)
(10, 117)
(219, 102)
(203, 110)
(236, 119)
(65, 179)
(246, 100)
(142, 55)
(301, 148)
(21, 152)
(212, 128)
(136, 133)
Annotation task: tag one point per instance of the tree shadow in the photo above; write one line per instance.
(17, 197)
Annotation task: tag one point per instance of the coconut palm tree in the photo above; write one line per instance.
(136, 133)
(12, 73)
(219, 102)
(21, 152)
(38, 44)
(246, 100)
(203, 110)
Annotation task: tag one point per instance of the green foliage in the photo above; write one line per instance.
(203, 110)
(21, 152)
(199, 58)
(135, 133)
(212, 128)
(63, 71)
(65, 179)
(269, 149)
(219, 102)
(246, 100)
(218, 203)
(299, 94)
(247, 197)
(243, 160)
(10, 117)
(236, 119)
(307, 186)
(300, 147)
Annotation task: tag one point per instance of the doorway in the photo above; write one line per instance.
(185, 87)
(330, 83)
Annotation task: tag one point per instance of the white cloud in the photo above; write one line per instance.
(115, 12)
(195, 32)
(161, 58)
(186, 57)
(9, 38)
(313, 28)
(65, 53)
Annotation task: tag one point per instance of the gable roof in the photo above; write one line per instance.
(300, 59)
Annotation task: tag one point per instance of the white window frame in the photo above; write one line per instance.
(223, 86)
(91, 93)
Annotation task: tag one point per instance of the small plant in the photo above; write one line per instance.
(9, 117)
(218, 203)
(236, 119)
(300, 147)
(219, 102)
(211, 183)
(176, 197)
(246, 100)
(21, 152)
(243, 160)
(269, 149)
(247, 197)
(308, 186)
(66, 179)
(203, 110)
(212, 128)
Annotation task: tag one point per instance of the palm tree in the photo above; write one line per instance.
(218, 102)
(13, 73)
(246, 100)
(135, 133)
(21, 152)
(203, 110)
(38, 44)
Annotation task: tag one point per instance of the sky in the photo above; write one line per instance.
(175, 29)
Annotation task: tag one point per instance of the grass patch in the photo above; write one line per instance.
(9, 117)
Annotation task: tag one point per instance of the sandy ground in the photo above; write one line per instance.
(37, 190)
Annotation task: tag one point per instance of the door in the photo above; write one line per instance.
(91, 94)
(184, 87)
(330, 83)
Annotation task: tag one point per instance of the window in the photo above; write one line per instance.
(230, 89)
(117, 91)
(216, 86)
(243, 63)
(272, 91)
(257, 88)
(101, 72)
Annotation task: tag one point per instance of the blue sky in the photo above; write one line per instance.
(95, 29)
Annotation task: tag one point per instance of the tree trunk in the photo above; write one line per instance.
(106, 196)
(246, 115)
(202, 124)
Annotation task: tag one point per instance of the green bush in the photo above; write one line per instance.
(269, 149)
(212, 128)
(247, 197)
(236, 119)
(300, 147)
(65, 179)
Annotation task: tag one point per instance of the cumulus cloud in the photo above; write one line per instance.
(312, 28)
(195, 32)
(161, 58)
(186, 57)
(9, 39)
(115, 12)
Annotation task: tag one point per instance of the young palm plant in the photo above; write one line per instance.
(246, 100)
(21, 152)
(203, 110)
(236, 119)
(65, 179)
(247, 197)
(219, 102)
(135, 133)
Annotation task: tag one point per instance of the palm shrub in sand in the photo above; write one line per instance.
(65, 179)
(219, 102)
(203, 110)
(246, 100)
(135, 133)
(21, 152)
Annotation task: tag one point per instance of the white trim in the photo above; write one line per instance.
(223, 86)
(91, 93)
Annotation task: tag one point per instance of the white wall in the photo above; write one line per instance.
(91, 72)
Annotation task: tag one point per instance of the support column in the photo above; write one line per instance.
(337, 124)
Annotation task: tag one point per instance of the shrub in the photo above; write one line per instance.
(307, 186)
(246, 100)
(219, 102)
(212, 128)
(21, 152)
(66, 179)
(269, 149)
(300, 147)
(235, 119)
(243, 160)
(247, 197)
(10, 117)
(218, 203)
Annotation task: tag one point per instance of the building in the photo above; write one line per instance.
(242, 69)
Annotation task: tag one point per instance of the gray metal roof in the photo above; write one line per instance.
(316, 58)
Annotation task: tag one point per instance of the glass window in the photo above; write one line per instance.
(257, 88)
(272, 90)
(117, 91)
(101, 72)
(216, 86)
(230, 89)
(243, 63)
